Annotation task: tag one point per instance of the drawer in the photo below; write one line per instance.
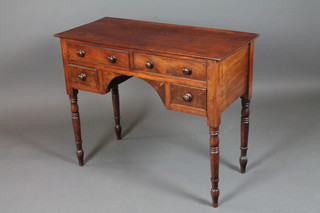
(111, 57)
(170, 66)
(83, 76)
(188, 96)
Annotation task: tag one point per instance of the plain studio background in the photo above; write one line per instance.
(162, 163)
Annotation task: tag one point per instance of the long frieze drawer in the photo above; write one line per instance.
(83, 76)
(170, 66)
(112, 57)
(188, 96)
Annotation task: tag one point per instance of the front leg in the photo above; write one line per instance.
(245, 112)
(116, 110)
(214, 162)
(76, 125)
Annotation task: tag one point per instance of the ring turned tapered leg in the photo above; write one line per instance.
(245, 112)
(76, 125)
(214, 162)
(116, 110)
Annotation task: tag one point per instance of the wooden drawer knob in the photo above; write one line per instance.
(112, 59)
(187, 70)
(149, 64)
(187, 97)
(82, 77)
(81, 53)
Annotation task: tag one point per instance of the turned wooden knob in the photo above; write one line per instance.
(112, 59)
(81, 53)
(187, 97)
(187, 70)
(82, 77)
(149, 64)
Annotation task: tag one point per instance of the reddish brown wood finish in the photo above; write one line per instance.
(188, 96)
(94, 54)
(84, 76)
(76, 125)
(116, 110)
(159, 87)
(170, 66)
(158, 37)
(234, 71)
(194, 70)
(64, 52)
(111, 79)
(248, 93)
(214, 162)
(213, 93)
(245, 112)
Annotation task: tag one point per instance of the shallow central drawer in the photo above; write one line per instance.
(170, 66)
(93, 54)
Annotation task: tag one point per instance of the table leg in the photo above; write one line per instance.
(245, 112)
(76, 125)
(214, 162)
(116, 110)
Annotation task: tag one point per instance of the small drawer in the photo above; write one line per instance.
(92, 54)
(170, 66)
(188, 96)
(83, 76)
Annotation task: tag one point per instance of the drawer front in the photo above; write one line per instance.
(83, 76)
(169, 66)
(80, 52)
(188, 96)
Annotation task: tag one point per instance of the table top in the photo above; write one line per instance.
(191, 41)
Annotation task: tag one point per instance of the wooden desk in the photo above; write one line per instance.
(194, 70)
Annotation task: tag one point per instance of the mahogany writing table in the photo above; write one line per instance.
(194, 70)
